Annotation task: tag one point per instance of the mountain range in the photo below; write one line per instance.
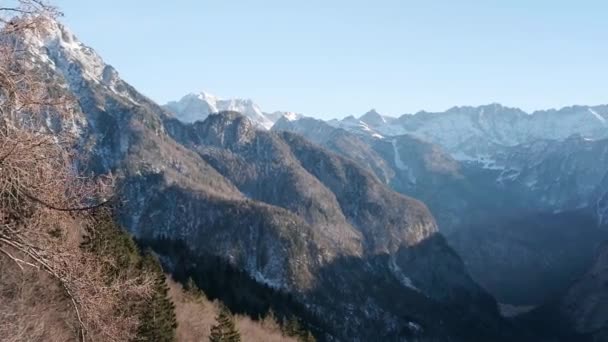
(467, 133)
(374, 228)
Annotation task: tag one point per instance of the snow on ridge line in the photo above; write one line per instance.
(291, 116)
(401, 277)
(597, 115)
(54, 45)
(55, 36)
(197, 106)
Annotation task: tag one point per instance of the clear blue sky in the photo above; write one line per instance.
(334, 58)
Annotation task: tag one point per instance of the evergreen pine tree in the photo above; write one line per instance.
(157, 320)
(293, 328)
(190, 286)
(270, 321)
(307, 337)
(224, 330)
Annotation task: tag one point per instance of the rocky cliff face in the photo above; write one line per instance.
(285, 211)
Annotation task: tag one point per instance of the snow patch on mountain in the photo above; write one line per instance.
(398, 273)
(291, 116)
(601, 207)
(599, 117)
(401, 165)
(485, 161)
(373, 118)
(398, 162)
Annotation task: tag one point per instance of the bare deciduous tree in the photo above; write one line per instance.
(44, 202)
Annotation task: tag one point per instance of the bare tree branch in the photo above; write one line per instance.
(53, 207)
(45, 265)
(45, 203)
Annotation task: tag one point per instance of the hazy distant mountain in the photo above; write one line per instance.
(469, 134)
(525, 220)
(473, 133)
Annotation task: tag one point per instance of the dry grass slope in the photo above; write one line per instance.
(196, 315)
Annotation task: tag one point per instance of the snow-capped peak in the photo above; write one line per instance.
(196, 107)
(55, 37)
(373, 118)
(205, 96)
(291, 116)
(53, 44)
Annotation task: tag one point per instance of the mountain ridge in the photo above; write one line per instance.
(469, 133)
